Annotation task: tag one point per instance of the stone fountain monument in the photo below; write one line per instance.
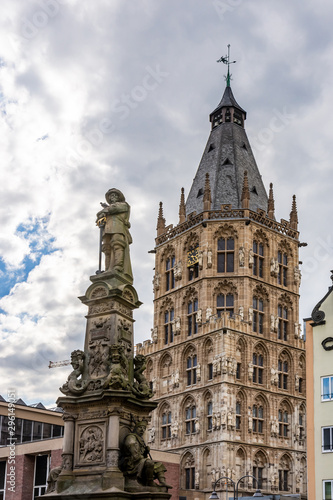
(106, 399)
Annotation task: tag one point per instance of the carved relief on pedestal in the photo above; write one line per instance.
(91, 445)
(98, 359)
(112, 458)
(67, 461)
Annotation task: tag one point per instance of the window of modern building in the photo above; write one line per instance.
(191, 370)
(169, 273)
(41, 474)
(283, 374)
(258, 315)
(225, 255)
(192, 325)
(258, 259)
(258, 473)
(257, 419)
(238, 415)
(258, 368)
(283, 323)
(2, 479)
(328, 489)
(327, 388)
(190, 417)
(168, 326)
(28, 430)
(166, 425)
(327, 439)
(283, 423)
(225, 303)
(209, 415)
(283, 268)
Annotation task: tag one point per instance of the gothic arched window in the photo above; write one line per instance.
(225, 255)
(225, 303)
(258, 419)
(192, 308)
(283, 368)
(169, 273)
(191, 370)
(283, 268)
(283, 324)
(168, 326)
(190, 419)
(258, 315)
(166, 424)
(258, 259)
(258, 368)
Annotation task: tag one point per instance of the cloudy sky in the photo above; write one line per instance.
(116, 93)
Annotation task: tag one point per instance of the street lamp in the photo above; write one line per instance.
(214, 495)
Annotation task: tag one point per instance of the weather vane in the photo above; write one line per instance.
(226, 60)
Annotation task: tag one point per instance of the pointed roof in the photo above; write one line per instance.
(228, 100)
(227, 156)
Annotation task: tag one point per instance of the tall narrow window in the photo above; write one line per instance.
(209, 415)
(191, 370)
(2, 479)
(210, 371)
(41, 474)
(225, 255)
(257, 472)
(328, 490)
(192, 309)
(166, 425)
(225, 303)
(283, 374)
(257, 419)
(189, 478)
(327, 439)
(283, 423)
(327, 388)
(238, 415)
(238, 371)
(283, 480)
(301, 424)
(258, 368)
(258, 315)
(283, 268)
(168, 326)
(190, 417)
(169, 273)
(258, 259)
(283, 323)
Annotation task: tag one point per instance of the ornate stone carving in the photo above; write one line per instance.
(178, 271)
(91, 444)
(52, 479)
(118, 377)
(274, 267)
(177, 325)
(98, 359)
(209, 258)
(99, 292)
(251, 258)
(199, 316)
(141, 386)
(156, 281)
(209, 312)
(241, 256)
(67, 461)
(112, 458)
(297, 275)
(154, 334)
(274, 376)
(75, 383)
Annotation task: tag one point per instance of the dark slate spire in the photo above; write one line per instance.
(226, 157)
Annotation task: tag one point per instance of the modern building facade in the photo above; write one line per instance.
(30, 445)
(319, 376)
(226, 360)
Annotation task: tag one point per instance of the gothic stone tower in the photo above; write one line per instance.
(226, 360)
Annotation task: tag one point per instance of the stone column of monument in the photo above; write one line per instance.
(106, 399)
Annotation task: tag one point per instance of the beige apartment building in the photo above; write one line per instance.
(226, 360)
(319, 375)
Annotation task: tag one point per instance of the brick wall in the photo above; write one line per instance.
(24, 478)
(172, 478)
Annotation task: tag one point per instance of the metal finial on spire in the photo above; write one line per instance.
(226, 60)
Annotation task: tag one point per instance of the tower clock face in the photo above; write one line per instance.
(192, 257)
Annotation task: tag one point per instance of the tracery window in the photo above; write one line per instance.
(168, 326)
(191, 370)
(169, 273)
(283, 324)
(209, 415)
(283, 422)
(190, 419)
(225, 255)
(189, 473)
(258, 259)
(225, 303)
(283, 268)
(283, 374)
(192, 325)
(258, 368)
(238, 415)
(258, 419)
(258, 315)
(166, 424)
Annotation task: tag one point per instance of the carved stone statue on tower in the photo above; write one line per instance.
(114, 218)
